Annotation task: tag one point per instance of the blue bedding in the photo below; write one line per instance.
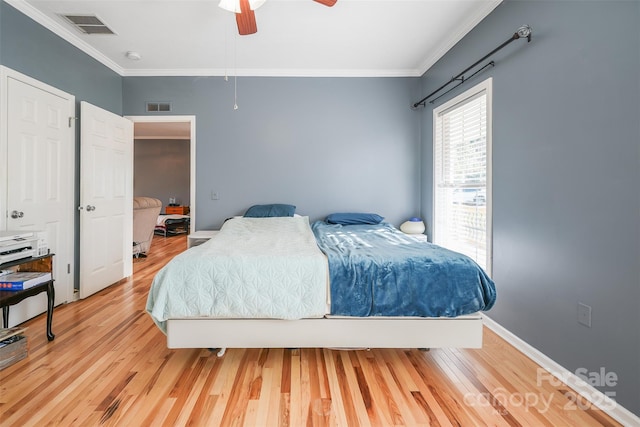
(376, 270)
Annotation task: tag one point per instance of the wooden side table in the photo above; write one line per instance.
(8, 298)
(176, 210)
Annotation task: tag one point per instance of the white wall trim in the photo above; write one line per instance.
(62, 31)
(271, 72)
(456, 36)
(587, 391)
(59, 29)
(192, 155)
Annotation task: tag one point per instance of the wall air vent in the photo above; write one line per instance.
(88, 24)
(155, 107)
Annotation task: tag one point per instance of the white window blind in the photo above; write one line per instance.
(462, 174)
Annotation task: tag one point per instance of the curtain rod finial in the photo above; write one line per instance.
(524, 31)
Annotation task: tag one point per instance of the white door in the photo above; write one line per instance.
(106, 198)
(40, 173)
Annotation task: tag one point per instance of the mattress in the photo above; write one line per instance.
(254, 268)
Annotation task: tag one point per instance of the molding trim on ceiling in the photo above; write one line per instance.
(269, 73)
(463, 30)
(58, 29)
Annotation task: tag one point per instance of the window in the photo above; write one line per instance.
(462, 174)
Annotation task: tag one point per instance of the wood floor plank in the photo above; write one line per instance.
(404, 389)
(391, 391)
(424, 397)
(275, 391)
(486, 406)
(315, 396)
(238, 392)
(338, 401)
(251, 414)
(306, 399)
(264, 404)
(295, 395)
(359, 400)
(323, 381)
(109, 366)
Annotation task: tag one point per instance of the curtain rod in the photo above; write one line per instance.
(524, 31)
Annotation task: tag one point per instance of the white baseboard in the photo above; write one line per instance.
(587, 391)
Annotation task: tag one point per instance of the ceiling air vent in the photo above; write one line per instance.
(154, 107)
(88, 24)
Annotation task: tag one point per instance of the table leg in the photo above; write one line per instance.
(51, 296)
(5, 316)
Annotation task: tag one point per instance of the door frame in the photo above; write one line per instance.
(62, 295)
(192, 154)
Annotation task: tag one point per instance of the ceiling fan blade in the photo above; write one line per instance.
(327, 2)
(246, 19)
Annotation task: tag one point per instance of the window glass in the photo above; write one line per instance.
(462, 174)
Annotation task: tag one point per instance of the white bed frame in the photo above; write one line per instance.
(457, 332)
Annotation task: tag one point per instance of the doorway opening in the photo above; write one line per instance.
(168, 145)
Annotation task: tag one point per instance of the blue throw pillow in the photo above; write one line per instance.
(274, 209)
(354, 218)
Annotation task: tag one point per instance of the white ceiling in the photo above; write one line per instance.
(294, 38)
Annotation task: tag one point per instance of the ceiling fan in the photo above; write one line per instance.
(245, 16)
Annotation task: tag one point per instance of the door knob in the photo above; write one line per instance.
(90, 208)
(16, 214)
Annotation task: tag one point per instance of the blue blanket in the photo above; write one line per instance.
(376, 270)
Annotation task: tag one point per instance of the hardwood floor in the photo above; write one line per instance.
(109, 365)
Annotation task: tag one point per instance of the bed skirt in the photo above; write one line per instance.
(342, 332)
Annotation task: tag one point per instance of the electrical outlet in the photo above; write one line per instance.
(584, 314)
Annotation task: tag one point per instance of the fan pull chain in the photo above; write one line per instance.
(235, 72)
(235, 92)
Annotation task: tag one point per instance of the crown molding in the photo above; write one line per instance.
(64, 33)
(72, 38)
(456, 36)
(268, 73)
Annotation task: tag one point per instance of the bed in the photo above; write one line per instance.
(276, 282)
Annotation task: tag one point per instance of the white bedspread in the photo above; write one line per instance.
(253, 268)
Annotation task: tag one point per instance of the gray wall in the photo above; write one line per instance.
(566, 170)
(31, 49)
(161, 170)
(322, 144)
